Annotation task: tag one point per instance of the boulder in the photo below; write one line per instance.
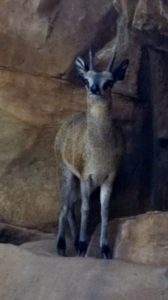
(43, 37)
(36, 100)
(139, 239)
(28, 185)
(31, 109)
(25, 275)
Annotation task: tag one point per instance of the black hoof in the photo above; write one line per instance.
(61, 246)
(82, 247)
(106, 252)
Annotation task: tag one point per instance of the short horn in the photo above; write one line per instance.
(90, 60)
(111, 62)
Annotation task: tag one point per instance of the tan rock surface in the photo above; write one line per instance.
(43, 37)
(24, 275)
(31, 108)
(47, 246)
(28, 185)
(37, 100)
(140, 239)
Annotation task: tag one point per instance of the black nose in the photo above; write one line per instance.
(94, 89)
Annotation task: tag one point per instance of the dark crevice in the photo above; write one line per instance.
(152, 38)
(159, 83)
(10, 234)
(163, 143)
(46, 7)
(146, 141)
(50, 29)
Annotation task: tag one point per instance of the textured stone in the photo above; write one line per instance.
(37, 100)
(140, 239)
(28, 185)
(151, 16)
(24, 275)
(47, 246)
(16, 137)
(43, 37)
(31, 108)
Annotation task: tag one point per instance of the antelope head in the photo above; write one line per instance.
(99, 84)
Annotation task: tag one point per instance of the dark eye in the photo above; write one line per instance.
(110, 83)
(86, 82)
(107, 84)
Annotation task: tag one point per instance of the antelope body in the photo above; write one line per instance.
(89, 147)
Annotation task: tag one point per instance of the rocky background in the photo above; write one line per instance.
(39, 40)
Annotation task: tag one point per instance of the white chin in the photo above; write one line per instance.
(95, 96)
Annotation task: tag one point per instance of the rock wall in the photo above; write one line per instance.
(39, 40)
(140, 239)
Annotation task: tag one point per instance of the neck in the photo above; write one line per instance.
(99, 120)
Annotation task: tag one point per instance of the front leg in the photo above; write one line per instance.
(85, 196)
(105, 193)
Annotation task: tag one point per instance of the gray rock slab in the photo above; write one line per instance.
(48, 247)
(28, 276)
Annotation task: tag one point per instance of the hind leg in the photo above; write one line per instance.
(73, 227)
(67, 195)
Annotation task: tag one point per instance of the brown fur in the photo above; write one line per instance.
(91, 143)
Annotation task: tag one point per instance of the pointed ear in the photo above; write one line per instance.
(81, 66)
(119, 72)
